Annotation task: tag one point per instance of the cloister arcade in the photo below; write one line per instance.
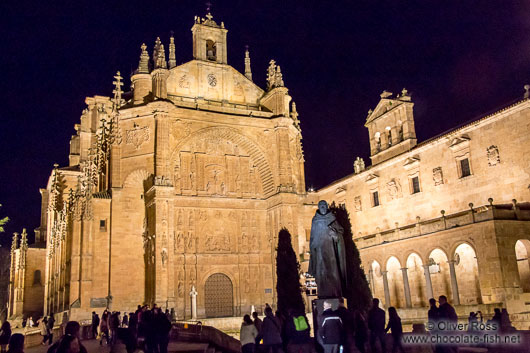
(408, 279)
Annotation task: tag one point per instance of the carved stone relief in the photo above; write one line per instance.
(184, 82)
(137, 136)
(357, 203)
(437, 176)
(493, 155)
(394, 189)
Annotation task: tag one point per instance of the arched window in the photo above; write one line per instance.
(36, 278)
(400, 131)
(377, 141)
(389, 136)
(211, 50)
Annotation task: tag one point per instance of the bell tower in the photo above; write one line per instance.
(391, 126)
(209, 40)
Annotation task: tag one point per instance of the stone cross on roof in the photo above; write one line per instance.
(117, 89)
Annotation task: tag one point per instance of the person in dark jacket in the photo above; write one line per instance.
(16, 343)
(258, 323)
(5, 335)
(360, 331)
(73, 329)
(433, 314)
(162, 329)
(331, 330)
(95, 324)
(51, 324)
(376, 324)
(298, 332)
(394, 324)
(347, 323)
(446, 312)
(271, 332)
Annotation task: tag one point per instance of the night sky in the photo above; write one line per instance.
(459, 60)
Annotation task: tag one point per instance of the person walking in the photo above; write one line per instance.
(376, 324)
(43, 327)
(258, 323)
(360, 331)
(331, 329)
(125, 320)
(95, 324)
(104, 327)
(50, 325)
(162, 330)
(394, 324)
(16, 343)
(5, 335)
(247, 335)
(271, 332)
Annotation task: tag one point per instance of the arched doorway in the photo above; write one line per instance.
(218, 296)
(522, 249)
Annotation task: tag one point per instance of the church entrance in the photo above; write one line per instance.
(218, 296)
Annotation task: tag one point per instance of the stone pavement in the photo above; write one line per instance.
(93, 346)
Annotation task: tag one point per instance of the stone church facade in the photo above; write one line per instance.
(183, 184)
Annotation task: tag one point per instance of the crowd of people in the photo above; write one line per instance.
(336, 331)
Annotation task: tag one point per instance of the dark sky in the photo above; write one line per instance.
(459, 59)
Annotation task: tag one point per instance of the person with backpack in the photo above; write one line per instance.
(298, 333)
(271, 332)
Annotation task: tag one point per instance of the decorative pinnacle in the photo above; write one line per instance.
(14, 242)
(117, 89)
(156, 49)
(172, 58)
(248, 71)
(526, 91)
(143, 67)
(161, 60)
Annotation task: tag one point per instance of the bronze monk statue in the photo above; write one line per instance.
(328, 258)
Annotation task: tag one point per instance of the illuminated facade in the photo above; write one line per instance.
(185, 182)
(448, 216)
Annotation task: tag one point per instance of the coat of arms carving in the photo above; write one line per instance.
(437, 176)
(493, 155)
(137, 136)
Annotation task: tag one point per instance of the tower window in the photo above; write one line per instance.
(375, 198)
(415, 183)
(103, 225)
(211, 50)
(389, 134)
(465, 170)
(400, 136)
(377, 141)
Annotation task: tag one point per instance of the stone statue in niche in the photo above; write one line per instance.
(357, 203)
(393, 189)
(327, 262)
(493, 155)
(163, 256)
(437, 176)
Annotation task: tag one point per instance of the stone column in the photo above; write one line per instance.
(406, 287)
(371, 281)
(387, 291)
(454, 283)
(428, 283)
(193, 295)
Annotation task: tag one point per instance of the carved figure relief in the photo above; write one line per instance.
(437, 176)
(137, 136)
(357, 203)
(164, 257)
(238, 89)
(394, 189)
(184, 82)
(493, 155)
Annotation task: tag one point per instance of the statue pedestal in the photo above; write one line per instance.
(317, 306)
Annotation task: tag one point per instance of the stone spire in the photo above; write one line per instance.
(156, 49)
(161, 62)
(14, 242)
(248, 71)
(117, 90)
(24, 240)
(172, 58)
(279, 77)
(143, 67)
